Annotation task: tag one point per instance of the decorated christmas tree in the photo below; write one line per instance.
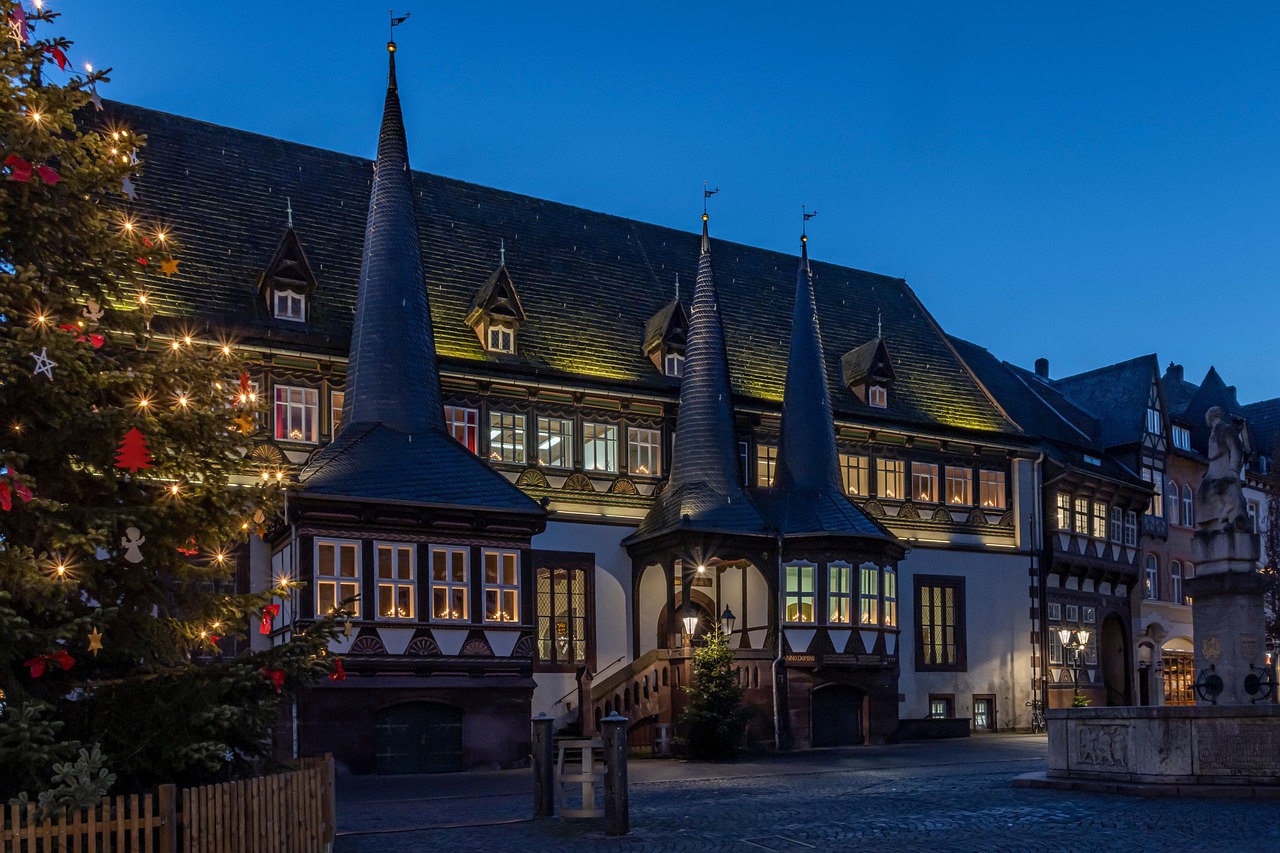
(126, 493)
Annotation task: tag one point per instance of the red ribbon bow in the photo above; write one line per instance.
(271, 610)
(338, 674)
(48, 174)
(92, 338)
(19, 169)
(39, 663)
(275, 676)
(6, 493)
(58, 56)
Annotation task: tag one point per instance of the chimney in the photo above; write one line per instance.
(1042, 368)
(1173, 372)
(1231, 395)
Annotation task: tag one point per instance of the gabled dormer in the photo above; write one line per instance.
(287, 285)
(665, 335)
(495, 313)
(868, 373)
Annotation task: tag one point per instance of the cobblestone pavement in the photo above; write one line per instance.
(941, 796)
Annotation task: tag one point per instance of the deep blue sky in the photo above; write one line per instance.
(1085, 181)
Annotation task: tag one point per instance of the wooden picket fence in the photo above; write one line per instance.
(291, 812)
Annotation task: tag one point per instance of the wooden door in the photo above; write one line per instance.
(419, 738)
(837, 716)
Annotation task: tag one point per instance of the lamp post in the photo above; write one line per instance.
(689, 619)
(1074, 641)
(726, 621)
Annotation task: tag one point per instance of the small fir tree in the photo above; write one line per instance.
(125, 489)
(714, 720)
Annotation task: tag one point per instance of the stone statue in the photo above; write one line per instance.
(1221, 496)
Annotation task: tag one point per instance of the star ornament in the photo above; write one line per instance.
(245, 423)
(169, 267)
(44, 364)
(95, 641)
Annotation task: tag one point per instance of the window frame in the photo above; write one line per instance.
(1130, 529)
(877, 396)
(1175, 581)
(800, 594)
(290, 298)
(1099, 531)
(1117, 525)
(543, 433)
(889, 597)
(451, 585)
(891, 469)
(1151, 578)
(997, 483)
(1081, 515)
(766, 465)
(673, 365)
(1062, 504)
(1181, 437)
(577, 588)
(855, 474)
(505, 337)
(338, 580)
(652, 446)
(923, 475)
(609, 444)
(1172, 507)
(395, 583)
(962, 477)
(465, 431)
(839, 593)
(285, 425)
(519, 433)
(337, 405)
(956, 584)
(869, 596)
(500, 586)
(1188, 506)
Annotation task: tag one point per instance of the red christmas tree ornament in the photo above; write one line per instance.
(134, 453)
(48, 174)
(40, 663)
(338, 674)
(58, 56)
(6, 493)
(268, 613)
(275, 676)
(19, 169)
(18, 25)
(188, 550)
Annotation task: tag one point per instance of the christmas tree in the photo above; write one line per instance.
(127, 488)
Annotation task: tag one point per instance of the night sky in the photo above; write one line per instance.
(1077, 180)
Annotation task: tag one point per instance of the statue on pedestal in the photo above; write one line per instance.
(1221, 495)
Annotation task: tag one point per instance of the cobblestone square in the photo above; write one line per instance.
(939, 796)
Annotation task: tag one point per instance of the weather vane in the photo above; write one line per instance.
(397, 21)
(807, 214)
(706, 194)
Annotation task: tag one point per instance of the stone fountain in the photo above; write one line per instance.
(1228, 743)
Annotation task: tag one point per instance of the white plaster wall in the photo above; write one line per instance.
(997, 633)
(551, 687)
(653, 597)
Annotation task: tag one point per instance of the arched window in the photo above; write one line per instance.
(1171, 500)
(1188, 507)
(1151, 586)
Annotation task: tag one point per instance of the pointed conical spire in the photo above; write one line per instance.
(807, 458)
(706, 450)
(392, 376)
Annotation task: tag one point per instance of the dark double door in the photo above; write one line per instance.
(419, 738)
(837, 716)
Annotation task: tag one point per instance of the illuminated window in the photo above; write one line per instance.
(890, 578)
(673, 364)
(1131, 529)
(449, 580)
(336, 399)
(396, 581)
(869, 596)
(501, 339)
(290, 306)
(890, 474)
(1151, 579)
(854, 471)
(924, 482)
(337, 576)
(766, 464)
(799, 595)
(506, 437)
(940, 631)
(1082, 516)
(501, 586)
(555, 442)
(562, 616)
(959, 486)
(877, 397)
(297, 414)
(644, 451)
(1099, 520)
(1064, 511)
(600, 447)
(463, 425)
(839, 593)
(991, 489)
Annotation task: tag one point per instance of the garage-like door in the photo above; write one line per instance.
(419, 738)
(837, 716)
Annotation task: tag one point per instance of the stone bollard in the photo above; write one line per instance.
(616, 817)
(544, 799)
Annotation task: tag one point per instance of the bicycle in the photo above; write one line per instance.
(1037, 717)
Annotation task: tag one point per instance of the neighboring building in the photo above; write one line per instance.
(905, 494)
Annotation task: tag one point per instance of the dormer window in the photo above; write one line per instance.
(495, 313)
(673, 364)
(287, 284)
(290, 305)
(501, 340)
(868, 373)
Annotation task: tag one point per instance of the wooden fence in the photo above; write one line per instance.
(291, 812)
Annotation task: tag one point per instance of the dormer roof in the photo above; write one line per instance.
(669, 327)
(868, 363)
(288, 268)
(497, 298)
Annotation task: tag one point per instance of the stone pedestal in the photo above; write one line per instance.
(1230, 624)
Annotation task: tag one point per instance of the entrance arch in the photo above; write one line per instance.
(1113, 657)
(418, 737)
(836, 711)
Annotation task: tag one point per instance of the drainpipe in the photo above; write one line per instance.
(1042, 578)
(777, 660)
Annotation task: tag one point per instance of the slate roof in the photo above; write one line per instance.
(1116, 395)
(656, 329)
(858, 363)
(1177, 390)
(498, 289)
(1264, 417)
(588, 281)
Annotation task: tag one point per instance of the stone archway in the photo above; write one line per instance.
(1113, 658)
(707, 617)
